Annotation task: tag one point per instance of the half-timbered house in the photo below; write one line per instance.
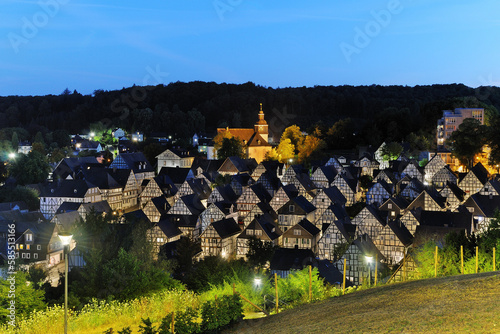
(261, 229)
(393, 241)
(378, 193)
(282, 196)
(442, 177)
(294, 211)
(250, 197)
(219, 238)
(303, 235)
(474, 180)
(369, 221)
(323, 176)
(334, 238)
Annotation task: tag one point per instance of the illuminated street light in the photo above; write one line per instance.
(369, 260)
(12, 155)
(92, 135)
(257, 282)
(66, 241)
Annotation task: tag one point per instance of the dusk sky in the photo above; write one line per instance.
(49, 45)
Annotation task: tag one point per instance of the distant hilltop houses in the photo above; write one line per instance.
(342, 208)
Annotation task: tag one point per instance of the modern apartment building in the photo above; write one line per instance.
(452, 119)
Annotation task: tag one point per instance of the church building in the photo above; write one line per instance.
(255, 141)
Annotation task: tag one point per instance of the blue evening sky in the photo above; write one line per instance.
(49, 45)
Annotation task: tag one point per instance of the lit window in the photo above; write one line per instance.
(29, 237)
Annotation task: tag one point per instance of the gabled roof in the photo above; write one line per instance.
(348, 230)
(401, 232)
(208, 166)
(261, 192)
(176, 174)
(161, 204)
(65, 188)
(399, 201)
(459, 193)
(193, 204)
(290, 190)
(135, 161)
(445, 219)
(488, 204)
(226, 227)
(301, 203)
(480, 172)
(188, 221)
(328, 171)
(227, 193)
(309, 227)
(238, 165)
(19, 205)
(67, 219)
(271, 179)
(169, 228)
(366, 246)
(68, 207)
(270, 230)
(335, 195)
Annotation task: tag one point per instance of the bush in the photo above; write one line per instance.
(221, 312)
(185, 322)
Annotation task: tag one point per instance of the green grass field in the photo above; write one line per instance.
(456, 304)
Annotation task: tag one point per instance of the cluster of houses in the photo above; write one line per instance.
(223, 203)
(328, 214)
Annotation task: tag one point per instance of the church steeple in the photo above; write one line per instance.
(261, 126)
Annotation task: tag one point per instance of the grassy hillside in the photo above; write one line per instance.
(456, 304)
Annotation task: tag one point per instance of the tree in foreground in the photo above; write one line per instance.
(30, 168)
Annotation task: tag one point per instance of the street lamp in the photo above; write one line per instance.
(257, 282)
(369, 260)
(12, 155)
(66, 241)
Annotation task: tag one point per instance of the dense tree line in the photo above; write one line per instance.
(377, 112)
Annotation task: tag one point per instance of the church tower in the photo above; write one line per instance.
(261, 126)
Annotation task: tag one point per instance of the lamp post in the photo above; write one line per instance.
(66, 241)
(369, 260)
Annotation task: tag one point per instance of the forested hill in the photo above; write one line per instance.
(202, 106)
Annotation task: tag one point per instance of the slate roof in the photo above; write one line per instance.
(65, 188)
(67, 207)
(269, 229)
(401, 232)
(188, 221)
(445, 219)
(135, 161)
(309, 227)
(488, 204)
(226, 227)
(169, 228)
(177, 175)
(7, 206)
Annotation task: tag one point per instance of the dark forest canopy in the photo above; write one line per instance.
(180, 108)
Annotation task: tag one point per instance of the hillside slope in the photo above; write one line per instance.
(457, 304)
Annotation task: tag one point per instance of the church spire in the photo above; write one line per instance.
(261, 121)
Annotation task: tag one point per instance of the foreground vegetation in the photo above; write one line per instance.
(455, 304)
